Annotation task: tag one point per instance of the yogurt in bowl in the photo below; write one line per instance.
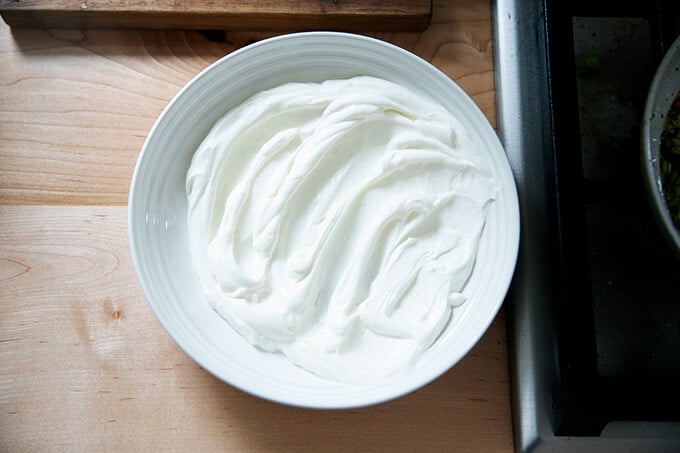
(337, 223)
(324, 220)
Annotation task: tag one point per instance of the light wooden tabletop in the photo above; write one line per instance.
(84, 364)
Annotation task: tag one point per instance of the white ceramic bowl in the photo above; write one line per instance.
(158, 208)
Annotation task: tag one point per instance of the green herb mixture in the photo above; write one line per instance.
(670, 161)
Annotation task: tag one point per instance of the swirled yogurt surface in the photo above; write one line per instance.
(338, 223)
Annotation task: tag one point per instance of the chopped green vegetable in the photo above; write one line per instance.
(669, 164)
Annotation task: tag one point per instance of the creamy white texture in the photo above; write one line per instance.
(337, 223)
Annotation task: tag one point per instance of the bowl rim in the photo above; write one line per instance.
(650, 144)
(503, 282)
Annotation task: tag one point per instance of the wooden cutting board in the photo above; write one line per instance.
(275, 15)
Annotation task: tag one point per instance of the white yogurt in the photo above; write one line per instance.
(338, 223)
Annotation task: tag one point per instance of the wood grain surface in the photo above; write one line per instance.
(84, 364)
(283, 15)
